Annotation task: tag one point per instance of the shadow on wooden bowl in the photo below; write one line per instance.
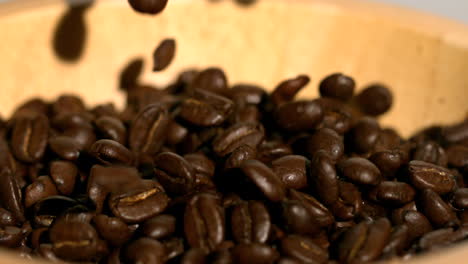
(424, 59)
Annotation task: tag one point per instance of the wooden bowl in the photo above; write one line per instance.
(423, 58)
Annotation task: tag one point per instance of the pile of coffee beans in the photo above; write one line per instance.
(202, 171)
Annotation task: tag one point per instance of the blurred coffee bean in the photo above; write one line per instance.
(65, 147)
(269, 150)
(458, 156)
(417, 223)
(287, 90)
(174, 247)
(10, 236)
(250, 134)
(250, 222)
(109, 127)
(174, 172)
(349, 203)
(247, 94)
(337, 86)
(254, 253)
(397, 241)
(360, 171)
(212, 79)
(436, 210)
(431, 152)
(336, 115)
(393, 193)
(292, 171)
(303, 249)
(7, 218)
(176, 133)
(375, 99)
(160, 226)
(264, 179)
(151, 7)
(455, 133)
(64, 175)
(299, 115)
(110, 152)
(201, 163)
(29, 137)
(42, 188)
(388, 162)
(460, 198)
(425, 175)
(112, 229)
(145, 251)
(10, 194)
(326, 140)
(164, 54)
(239, 155)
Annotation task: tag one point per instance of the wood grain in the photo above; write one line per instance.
(422, 57)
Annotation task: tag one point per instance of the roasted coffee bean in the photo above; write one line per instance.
(337, 86)
(65, 147)
(7, 218)
(250, 134)
(176, 133)
(264, 179)
(160, 226)
(456, 133)
(41, 188)
(247, 94)
(105, 110)
(35, 105)
(352, 242)
(254, 253)
(29, 137)
(46, 252)
(431, 152)
(349, 203)
(174, 247)
(74, 240)
(418, 224)
(206, 109)
(303, 249)
(375, 99)
(287, 90)
(271, 150)
(319, 213)
(110, 127)
(10, 194)
(194, 256)
(201, 164)
(336, 115)
(10, 236)
(148, 129)
(112, 229)
(389, 139)
(212, 79)
(364, 135)
(458, 156)
(297, 219)
(436, 210)
(245, 114)
(110, 152)
(460, 198)
(299, 115)
(436, 239)
(324, 178)
(377, 237)
(239, 155)
(164, 54)
(425, 175)
(393, 193)
(292, 171)
(397, 214)
(174, 172)
(326, 140)
(145, 251)
(388, 162)
(151, 7)
(139, 203)
(68, 103)
(250, 222)
(39, 236)
(371, 211)
(204, 224)
(223, 256)
(360, 171)
(64, 175)
(285, 260)
(47, 210)
(397, 242)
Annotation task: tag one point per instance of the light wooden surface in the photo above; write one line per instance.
(423, 58)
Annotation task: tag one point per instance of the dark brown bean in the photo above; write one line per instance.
(176, 133)
(389, 139)
(254, 253)
(212, 79)
(65, 147)
(250, 134)
(247, 94)
(336, 115)
(174, 172)
(10, 236)
(436, 239)
(140, 203)
(436, 210)
(204, 224)
(349, 203)
(194, 256)
(29, 137)
(34, 105)
(41, 188)
(160, 226)
(287, 90)
(110, 127)
(431, 152)
(327, 140)
(250, 222)
(265, 179)
(393, 193)
(110, 152)
(112, 229)
(377, 237)
(64, 174)
(388, 162)
(145, 251)
(201, 164)
(68, 103)
(164, 54)
(352, 242)
(10, 194)
(319, 214)
(174, 247)
(297, 219)
(460, 198)
(299, 115)
(397, 242)
(7, 218)
(360, 171)
(324, 178)
(239, 155)
(458, 156)
(455, 133)
(337, 86)
(148, 129)
(152, 7)
(375, 99)
(269, 150)
(425, 175)
(292, 171)
(418, 224)
(364, 135)
(303, 249)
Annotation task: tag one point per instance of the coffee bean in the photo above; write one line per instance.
(458, 156)
(145, 251)
(174, 172)
(34, 105)
(250, 222)
(460, 198)
(326, 140)
(65, 147)
(299, 115)
(148, 129)
(349, 203)
(110, 152)
(151, 7)
(436, 210)
(303, 249)
(319, 214)
(371, 211)
(264, 179)
(377, 237)
(10, 194)
(201, 164)
(364, 135)
(174, 247)
(64, 175)
(112, 229)
(47, 210)
(375, 99)
(42, 188)
(456, 133)
(250, 134)
(10, 236)
(194, 256)
(393, 193)
(7, 218)
(176, 133)
(431, 152)
(164, 54)
(160, 226)
(388, 162)
(292, 171)
(204, 224)
(336, 115)
(418, 224)
(239, 155)
(29, 137)
(248, 94)
(110, 127)
(360, 171)
(287, 90)
(436, 239)
(425, 175)
(397, 242)
(389, 139)
(212, 79)
(270, 150)
(254, 253)
(352, 242)
(337, 86)
(105, 110)
(324, 178)
(139, 203)
(297, 219)
(68, 103)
